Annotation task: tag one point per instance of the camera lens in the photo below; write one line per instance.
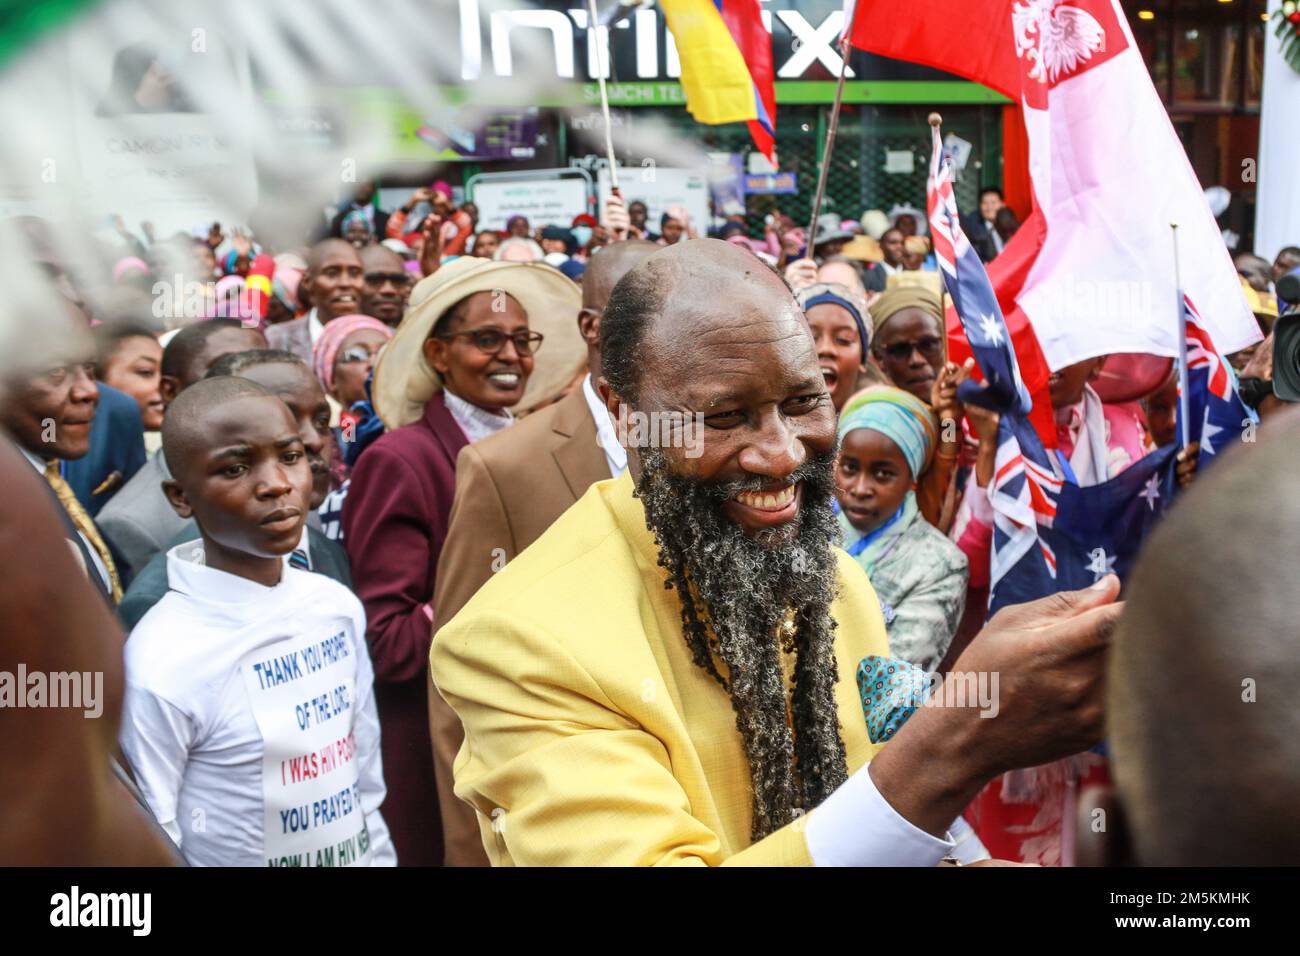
(1286, 356)
(1288, 288)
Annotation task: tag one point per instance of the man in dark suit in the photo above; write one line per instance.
(47, 412)
(510, 487)
(891, 251)
(332, 286)
(116, 451)
(979, 226)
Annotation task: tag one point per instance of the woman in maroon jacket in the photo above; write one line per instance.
(462, 357)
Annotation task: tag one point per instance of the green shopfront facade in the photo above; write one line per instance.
(885, 105)
(878, 118)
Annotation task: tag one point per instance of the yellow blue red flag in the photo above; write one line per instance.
(726, 58)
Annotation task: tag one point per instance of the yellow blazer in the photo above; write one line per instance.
(591, 737)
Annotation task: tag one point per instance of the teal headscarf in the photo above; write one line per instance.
(904, 419)
(898, 415)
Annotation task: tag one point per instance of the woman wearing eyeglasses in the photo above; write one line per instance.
(478, 339)
(344, 355)
(342, 359)
(910, 348)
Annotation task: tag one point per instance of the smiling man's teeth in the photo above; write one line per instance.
(505, 378)
(767, 501)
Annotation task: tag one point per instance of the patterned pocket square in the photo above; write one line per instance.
(891, 690)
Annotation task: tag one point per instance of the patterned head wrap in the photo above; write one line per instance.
(331, 340)
(898, 298)
(356, 215)
(846, 299)
(284, 286)
(899, 416)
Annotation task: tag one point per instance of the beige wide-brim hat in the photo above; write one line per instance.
(404, 382)
(864, 249)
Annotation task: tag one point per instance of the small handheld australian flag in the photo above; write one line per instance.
(1051, 534)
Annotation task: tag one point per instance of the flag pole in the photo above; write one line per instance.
(1183, 413)
(936, 126)
(830, 137)
(604, 95)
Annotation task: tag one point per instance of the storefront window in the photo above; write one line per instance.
(1202, 53)
(1202, 61)
(1258, 33)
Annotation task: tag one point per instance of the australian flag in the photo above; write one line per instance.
(1215, 411)
(1049, 533)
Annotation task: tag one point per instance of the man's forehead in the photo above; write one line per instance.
(339, 258)
(379, 257)
(252, 419)
(334, 254)
(746, 351)
(284, 378)
(715, 314)
(74, 353)
(77, 349)
(225, 341)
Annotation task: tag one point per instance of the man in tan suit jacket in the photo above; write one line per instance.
(510, 487)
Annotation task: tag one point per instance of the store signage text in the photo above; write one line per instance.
(810, 43)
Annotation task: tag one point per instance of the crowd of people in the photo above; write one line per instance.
(398, 587)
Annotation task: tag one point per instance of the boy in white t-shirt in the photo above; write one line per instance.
(249, 717)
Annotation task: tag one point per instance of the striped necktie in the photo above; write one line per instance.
(84, 524)
(299, 560)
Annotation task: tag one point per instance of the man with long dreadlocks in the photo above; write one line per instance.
(666, 675)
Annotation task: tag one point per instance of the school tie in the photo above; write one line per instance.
(299, 560)
(84, 524)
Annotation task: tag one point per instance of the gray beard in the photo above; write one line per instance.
(743, 588)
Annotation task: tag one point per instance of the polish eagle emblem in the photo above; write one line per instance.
(1053, 38)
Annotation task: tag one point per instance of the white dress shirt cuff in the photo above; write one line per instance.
(856, 826)
(968, 847)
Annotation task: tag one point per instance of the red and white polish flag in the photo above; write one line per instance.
(1093, 267)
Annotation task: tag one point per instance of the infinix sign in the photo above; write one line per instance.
(636, 48)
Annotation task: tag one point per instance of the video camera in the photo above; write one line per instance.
(1286, 350)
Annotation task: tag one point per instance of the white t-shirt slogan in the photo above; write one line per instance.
(250, 720)
(302, 693)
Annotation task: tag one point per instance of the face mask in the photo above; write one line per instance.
(582, 234)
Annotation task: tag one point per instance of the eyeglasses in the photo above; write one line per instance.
(931, 347)
(398, 279)
(358, 353)
(492, 341)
